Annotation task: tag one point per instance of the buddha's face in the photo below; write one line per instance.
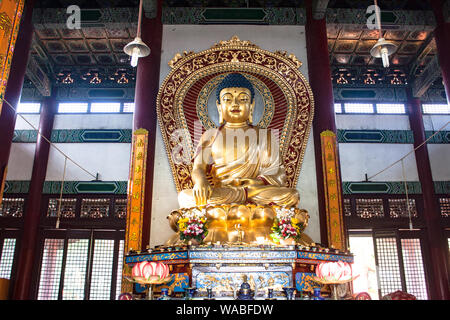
(235, 104)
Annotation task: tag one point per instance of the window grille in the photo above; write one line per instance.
(75, 269)
(128, 107)
(119, 268)
(95, 208)
(358, 108)
(120, 208)
(68, 207)
(338, 108)
(12, 207)
(389, 276)
(413, 267)
(369, 208)
(105, 107)
(398, 208)
(29, 107)
(102, 266)
(444, 204)
(391, 108)
(72, 107)
(7, 257)
(436, 108)
(51, 269)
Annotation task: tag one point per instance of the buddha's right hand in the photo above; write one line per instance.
(202, 191)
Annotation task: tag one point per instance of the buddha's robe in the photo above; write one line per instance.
(254, 157)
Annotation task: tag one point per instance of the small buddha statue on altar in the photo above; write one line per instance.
(238, 164)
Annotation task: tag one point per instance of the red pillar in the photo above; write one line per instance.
(319, 72)
(33, 205)
(442, 38)
(147, 86)
(437, 243)
(14, 87)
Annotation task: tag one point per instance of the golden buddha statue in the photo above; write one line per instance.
(237, 173)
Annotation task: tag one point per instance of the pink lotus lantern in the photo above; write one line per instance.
(147, 272)
(334, 272)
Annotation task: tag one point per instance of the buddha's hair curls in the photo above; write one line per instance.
(235, 80)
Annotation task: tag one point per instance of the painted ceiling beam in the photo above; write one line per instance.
(38, 77)
(426, 78)
(319, 8)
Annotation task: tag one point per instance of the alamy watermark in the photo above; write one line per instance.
(74, 19)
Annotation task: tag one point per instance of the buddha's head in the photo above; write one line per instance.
(235, 99)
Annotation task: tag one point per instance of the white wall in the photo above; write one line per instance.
(21, 157)
(21, 124)
(93, 121)
(357, 159)
(20, 163)
(372, 122)
(178, 38)
(110, 160)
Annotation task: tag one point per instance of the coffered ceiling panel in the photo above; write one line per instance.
(70, 34)
(99, 45)
(77, 46)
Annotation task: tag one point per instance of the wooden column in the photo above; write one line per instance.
(319, 72)
(33, 204)
(442, 38)
(437, 243)
(147, 86)
(14, 89)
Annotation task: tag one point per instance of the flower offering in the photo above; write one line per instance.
(192, 228)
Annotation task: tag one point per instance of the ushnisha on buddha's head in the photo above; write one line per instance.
(235, 99)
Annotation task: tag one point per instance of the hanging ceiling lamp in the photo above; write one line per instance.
(382, 49)
(137, 48)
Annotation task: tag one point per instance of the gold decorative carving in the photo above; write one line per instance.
(280, 69)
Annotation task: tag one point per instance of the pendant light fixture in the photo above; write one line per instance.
(137, 48)
(382, 49)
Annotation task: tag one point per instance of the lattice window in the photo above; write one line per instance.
(51, 269)
(72, 107)
(398, 208)
(75, 271)
(105, 107)
(12, 207)
(413, 267)
(95, 208)
(102, 266)
(393, 108)
(120, 208)
(388, 265)
(68, 207)
(369, 208)
(7, 257)
(119, 268)
(445, 207)
(28, 107)
(436, 108)
(128, 107)
(358, 108)
(347, 208)
(338, 108)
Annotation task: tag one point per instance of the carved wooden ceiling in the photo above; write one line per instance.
(94, 55)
